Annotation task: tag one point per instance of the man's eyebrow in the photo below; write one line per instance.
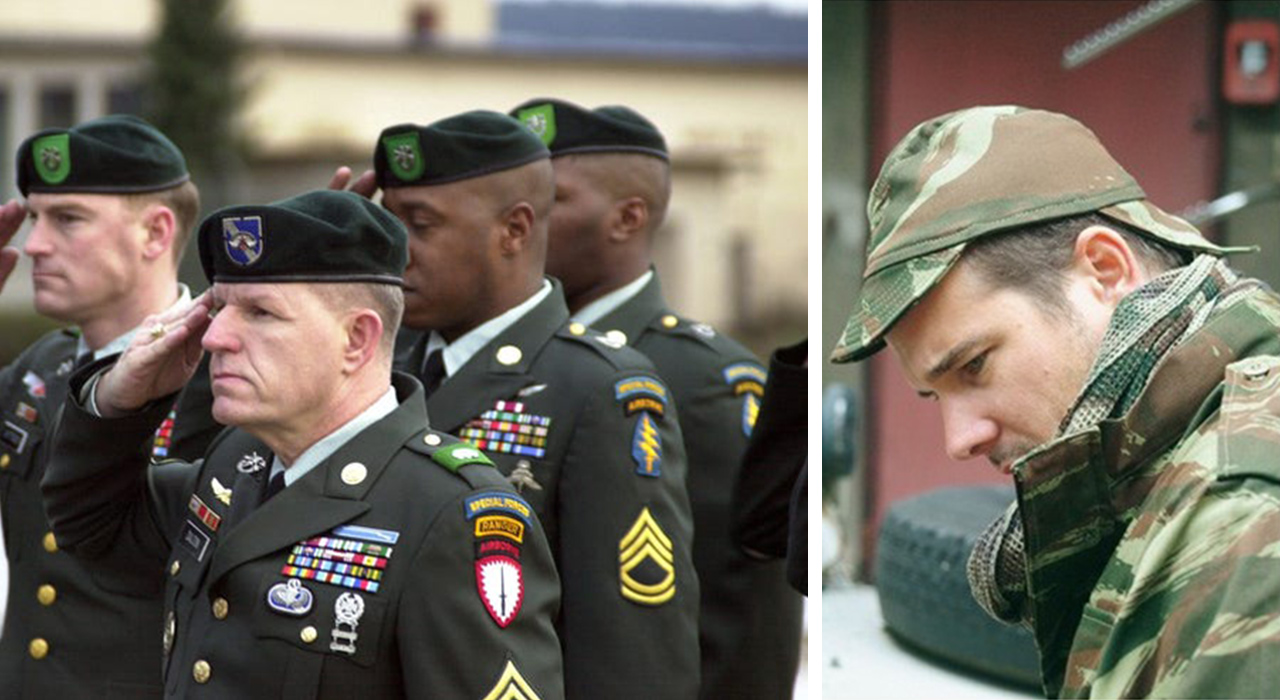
(953, 356)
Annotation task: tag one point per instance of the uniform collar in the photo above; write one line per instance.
(460, 351)
(598, 309)
(330, 443)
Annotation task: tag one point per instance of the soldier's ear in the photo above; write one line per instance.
(159, 227)
(364, 335)
(517, 228)
(1107, 263)
(630, 219)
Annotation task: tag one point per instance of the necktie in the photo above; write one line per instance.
(433, 371)
(274, 486)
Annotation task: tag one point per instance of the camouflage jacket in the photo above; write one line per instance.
(1153, 541)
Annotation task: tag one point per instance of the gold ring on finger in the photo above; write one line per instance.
(157, 331)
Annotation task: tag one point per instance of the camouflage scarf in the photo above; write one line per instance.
(1146, 324)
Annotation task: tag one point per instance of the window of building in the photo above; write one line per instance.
(57, 106)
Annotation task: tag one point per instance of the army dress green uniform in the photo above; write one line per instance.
(749, 619)
(407, 513)
(72, 628)
(590, 434)
(397, 564)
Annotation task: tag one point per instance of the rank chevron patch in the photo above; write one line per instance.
(647, 562)
(511, 686)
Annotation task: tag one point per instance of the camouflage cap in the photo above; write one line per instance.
(976, 172)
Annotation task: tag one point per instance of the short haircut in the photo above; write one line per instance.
(1034, 259)
(386, 300)
(183, 200)
(624, 175)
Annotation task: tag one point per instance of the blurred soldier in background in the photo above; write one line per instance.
(582, 425)
(112, 207)
(1101, 352)
(332, 544)
(612, 187)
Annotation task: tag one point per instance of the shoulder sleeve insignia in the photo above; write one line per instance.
(498, 502)
(646, 447)
(509, 428)
(641, 393)
(750, 409)
(747, 380)
(646, 562)
(458, 455)
(511, 686)
(498, 537)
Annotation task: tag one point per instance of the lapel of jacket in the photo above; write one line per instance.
(320, 500)
(472, 390)
(635, 315)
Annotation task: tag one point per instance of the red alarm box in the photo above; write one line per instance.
(1251, 66)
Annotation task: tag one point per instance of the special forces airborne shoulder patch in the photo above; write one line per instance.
(646, 562)
(500, 520)
(747, 380)
(647, 397)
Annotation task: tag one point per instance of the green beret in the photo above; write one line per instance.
(319, 236)
(979, 172)
(461, 147)
(567, 128)
(119, 153)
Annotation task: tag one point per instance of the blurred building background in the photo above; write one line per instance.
(319, 79)
(1171, 103)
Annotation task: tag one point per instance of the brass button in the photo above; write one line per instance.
(174, 567)
(576, 328)
(670, 321)
(308, 634)
(201, 671)
(4, 461)
(431, 439)
(220, 608)
(509, 355)
(50, 543)
(46, 594)
(354, 473)
(38, 648)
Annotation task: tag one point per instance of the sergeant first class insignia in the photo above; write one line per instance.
(511, 686)
(647, 397)
(646, 562)
(747, 380)
(500, 521)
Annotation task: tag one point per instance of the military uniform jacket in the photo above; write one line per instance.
(589, 432)
(380, 573)
(1151, 540)
(749, 623)
(72, 628)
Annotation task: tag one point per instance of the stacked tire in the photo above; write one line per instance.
(924, 594)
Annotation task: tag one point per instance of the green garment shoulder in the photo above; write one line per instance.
(1152, 567)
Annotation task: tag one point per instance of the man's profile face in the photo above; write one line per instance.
(276, 355)
(452, 229)
(86, 252)
(1003, 368)
(579, 220)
